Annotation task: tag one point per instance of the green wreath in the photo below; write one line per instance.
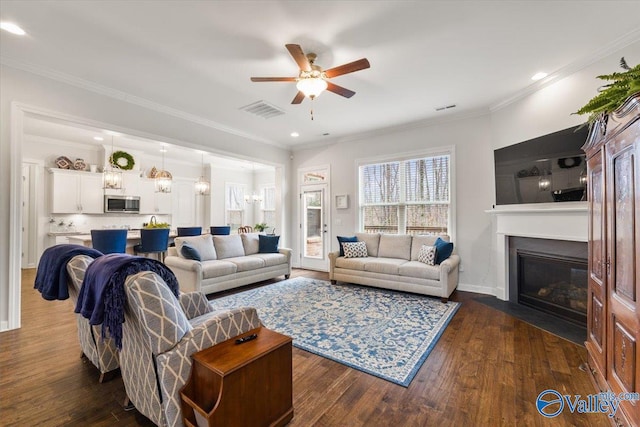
(123, 160)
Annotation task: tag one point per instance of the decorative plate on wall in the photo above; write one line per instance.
(64, 162)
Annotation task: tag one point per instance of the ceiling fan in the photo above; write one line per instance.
(312, 79)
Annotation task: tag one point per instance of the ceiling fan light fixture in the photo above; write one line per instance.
(311, 86)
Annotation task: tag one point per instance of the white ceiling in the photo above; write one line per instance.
(197, 56)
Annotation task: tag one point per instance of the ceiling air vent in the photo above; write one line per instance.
(262, 109)
(446, 107)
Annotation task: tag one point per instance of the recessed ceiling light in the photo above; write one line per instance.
(538, 76)
(12, 28)
(295, 134)
(163, 150)
(98, 138)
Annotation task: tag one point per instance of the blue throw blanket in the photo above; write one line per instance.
(102, 296)
(51, 276)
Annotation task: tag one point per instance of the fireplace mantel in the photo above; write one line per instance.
(568, 221)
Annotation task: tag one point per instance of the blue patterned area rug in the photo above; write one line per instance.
(384, 333)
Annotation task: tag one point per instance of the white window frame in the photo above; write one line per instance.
(227, 208)
(263, 208)
(445, 150)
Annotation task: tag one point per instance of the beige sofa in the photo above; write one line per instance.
(227, 262)
(392, 263)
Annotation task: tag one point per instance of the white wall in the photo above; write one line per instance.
(550, 109)
(474, 190)
(29, 91)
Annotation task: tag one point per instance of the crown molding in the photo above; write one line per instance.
(572, 68)
(131, 99)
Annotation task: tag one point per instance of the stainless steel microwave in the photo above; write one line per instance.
(122, 204)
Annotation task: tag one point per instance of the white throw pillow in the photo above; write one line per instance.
(229, 246)
(355, 249)
(203, 244)
(427, 255)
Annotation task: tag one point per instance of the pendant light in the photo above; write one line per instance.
(254, 197)
(202, 186)
(163, 178)
(112, 175)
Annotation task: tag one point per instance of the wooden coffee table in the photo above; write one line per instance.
(247, 384)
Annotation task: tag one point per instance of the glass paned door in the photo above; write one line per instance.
(314, 227)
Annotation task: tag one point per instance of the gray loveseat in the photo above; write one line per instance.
(227, 262)
(392, 263)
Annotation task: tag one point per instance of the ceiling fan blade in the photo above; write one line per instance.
(340, 90)
(358, 65)
(298, 98)
(273, 79)
(298, 55)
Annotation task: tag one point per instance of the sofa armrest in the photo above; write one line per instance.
(449, 271)
(287, 252)
(187, 271)
(333, 256)
(194, 304)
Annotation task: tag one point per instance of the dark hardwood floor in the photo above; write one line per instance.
(486, 370)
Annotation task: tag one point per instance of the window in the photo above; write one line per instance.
(409, 196)
(234, 205)
(268, 206)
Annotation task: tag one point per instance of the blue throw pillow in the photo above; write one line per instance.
(342, 239)
(189, 252)
(443, 250)
(268, 244)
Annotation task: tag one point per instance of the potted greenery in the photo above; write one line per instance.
(260, 227)
(613, 95)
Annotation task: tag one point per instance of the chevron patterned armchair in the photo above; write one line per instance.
(159, 335)
(102, 353)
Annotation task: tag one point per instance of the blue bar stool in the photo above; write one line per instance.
(109, 241)
(221, 230)
(189, 231)
(153, 241)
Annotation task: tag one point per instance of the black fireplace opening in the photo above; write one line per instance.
(554, 284)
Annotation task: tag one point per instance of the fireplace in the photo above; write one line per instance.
(549, 276)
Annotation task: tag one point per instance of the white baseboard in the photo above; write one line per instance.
(466, 287)
(4, 326)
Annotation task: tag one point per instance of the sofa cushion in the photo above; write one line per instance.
(189, 252)
(217, 268)
(395, 246)
(427, 255)
(352, 263)
(250, 243)
(443, 250)
(271, 259)
(419, 270)
(422, 239)
(372, 240)
(203, 244)
(384, 265)
(268, 244)
(342, 239)
(246, 263)
(355, 249)
(228, 246)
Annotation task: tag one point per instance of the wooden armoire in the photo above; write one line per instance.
(613, 318)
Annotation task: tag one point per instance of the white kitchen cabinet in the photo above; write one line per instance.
(75, 192)
(152, 202)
